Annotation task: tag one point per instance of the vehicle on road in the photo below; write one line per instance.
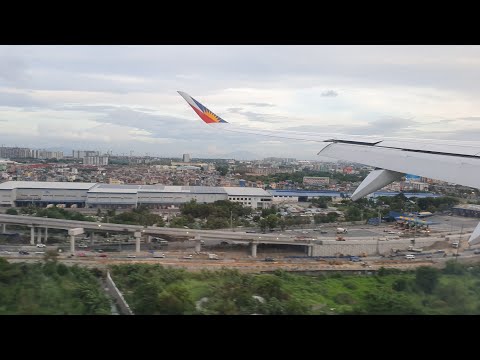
(269, 259)
(323, 232)
(102, 255)
(188, 257)
(82, 254)
(212, 256)
(342, 231)
(455, 244)
(156, 255)
(6, 252)
(476, 251)
(410, 257)
(131, 256)
(41, 245)
(23, 252)
(355, 259)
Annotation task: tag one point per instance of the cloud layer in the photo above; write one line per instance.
(123, 98)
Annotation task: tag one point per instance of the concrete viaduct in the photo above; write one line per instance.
(146, 232)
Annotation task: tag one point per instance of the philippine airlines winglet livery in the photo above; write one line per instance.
(452, 161)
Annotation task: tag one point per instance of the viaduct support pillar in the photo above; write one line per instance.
(32, 235)
(254, 250)
(72, 244)
(92, 234)
(46, 235)
(310, 250)
(4, 228)
(198, 245)
(39, 235)
(138, 236)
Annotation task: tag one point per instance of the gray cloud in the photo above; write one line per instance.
(20, 100)
(388, 126)
(330, 93)
(12, 69)
(470, 118)
(257, 117)
(259, 104)
(107, 71)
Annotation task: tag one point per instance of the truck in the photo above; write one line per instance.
(411, 248)
(342, 231)
(212, 256)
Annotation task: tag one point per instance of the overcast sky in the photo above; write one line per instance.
(123, 98)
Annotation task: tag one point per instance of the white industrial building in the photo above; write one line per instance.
(256, 198)
(22, 193)
(95, 195)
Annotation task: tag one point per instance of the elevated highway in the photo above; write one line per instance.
(147, 231)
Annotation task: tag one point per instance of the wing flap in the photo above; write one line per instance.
(454, 169)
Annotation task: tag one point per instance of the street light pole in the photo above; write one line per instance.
(231, 219)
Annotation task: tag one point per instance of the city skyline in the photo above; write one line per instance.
(123, 98)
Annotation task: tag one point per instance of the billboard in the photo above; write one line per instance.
(411, 177)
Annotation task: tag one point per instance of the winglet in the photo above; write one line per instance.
(205, 114)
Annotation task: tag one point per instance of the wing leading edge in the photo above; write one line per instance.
(452, 161)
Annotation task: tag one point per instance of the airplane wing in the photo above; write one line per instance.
(452, 161)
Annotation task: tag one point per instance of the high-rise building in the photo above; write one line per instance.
(95, 160)
(186, 158)
(79, 154)
(44, 154)
(14, 152)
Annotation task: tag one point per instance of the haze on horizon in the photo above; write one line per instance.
(123, 98)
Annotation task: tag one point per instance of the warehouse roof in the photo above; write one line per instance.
(246, 191)
(9, 185)
(111, 188)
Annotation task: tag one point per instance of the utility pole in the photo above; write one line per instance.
(415, 231)
(231, 219)
(459, 243)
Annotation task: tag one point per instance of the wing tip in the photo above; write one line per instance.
(205, 114)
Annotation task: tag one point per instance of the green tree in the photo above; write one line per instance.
(222, 169)
(272, 221)
(50, 255)
(426, 278)
(453, 268)
(263, 223)
(386, 303)
(11, 211)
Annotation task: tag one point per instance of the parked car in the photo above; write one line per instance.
(41, 245)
